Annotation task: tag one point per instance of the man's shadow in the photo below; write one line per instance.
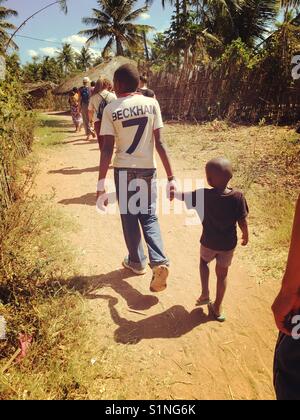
(173, 323)
(116, 280)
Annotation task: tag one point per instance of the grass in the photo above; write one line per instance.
(266, 162)
(51, 132)
(36, 263)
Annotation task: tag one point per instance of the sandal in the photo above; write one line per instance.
(219, 318)
(203, 302)
(159, 279)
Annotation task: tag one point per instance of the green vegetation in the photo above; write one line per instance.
(35, 262)
(50, 132)
(5, 25)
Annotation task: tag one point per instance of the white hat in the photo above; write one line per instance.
(86, 80)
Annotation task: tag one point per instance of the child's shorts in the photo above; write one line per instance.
(223, 258)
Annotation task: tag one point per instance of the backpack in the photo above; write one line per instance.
(147, 92)
(85, 95)
(102, 106)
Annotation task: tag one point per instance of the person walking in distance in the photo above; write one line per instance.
(84, 99)
(100, 98)
(143, 87)
(134, 123)
(74, 106)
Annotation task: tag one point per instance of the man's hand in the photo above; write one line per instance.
(285, 303)
(171, 190)
(102, 198)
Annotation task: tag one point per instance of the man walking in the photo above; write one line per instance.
(85, 94)
(134, 123)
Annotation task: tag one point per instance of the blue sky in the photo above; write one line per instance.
(55, 27)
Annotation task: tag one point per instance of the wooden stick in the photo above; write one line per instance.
(11, 360)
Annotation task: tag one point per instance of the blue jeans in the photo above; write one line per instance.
(137, 195)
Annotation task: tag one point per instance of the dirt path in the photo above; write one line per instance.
(164, 347)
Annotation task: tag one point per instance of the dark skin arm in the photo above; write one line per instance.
(106, 156)
(288, 300)
(243, 225)
(163, 154)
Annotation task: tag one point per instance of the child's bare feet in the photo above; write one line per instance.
(203, 300)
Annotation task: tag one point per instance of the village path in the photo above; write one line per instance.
(162, 344)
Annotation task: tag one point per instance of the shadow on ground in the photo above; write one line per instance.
(172, 323)
(117, 281)
(62, 126)
(70, 170)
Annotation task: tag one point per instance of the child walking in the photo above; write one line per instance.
(221, 208)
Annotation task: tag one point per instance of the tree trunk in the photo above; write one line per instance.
(146, 46)
(120, 50)
(178, 23)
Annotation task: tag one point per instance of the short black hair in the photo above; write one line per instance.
(128, 75)
(220, 166)
(75, 90)
(93, 84)
(144, 79)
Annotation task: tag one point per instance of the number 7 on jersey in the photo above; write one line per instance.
(141, 123)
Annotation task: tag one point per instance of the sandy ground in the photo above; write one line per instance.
(166, 348)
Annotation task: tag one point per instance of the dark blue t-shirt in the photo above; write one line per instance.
(219, 214)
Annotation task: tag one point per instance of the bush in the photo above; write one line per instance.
(31, 255)
(16, 133)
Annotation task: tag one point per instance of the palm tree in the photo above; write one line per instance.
(245, 19)
(290, 3)
(114, 19)
(85, 59)
(66, 58)
(6, 13)
(62, 4)
(289, 7)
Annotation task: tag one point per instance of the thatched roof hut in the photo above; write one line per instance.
(105, 69)
(39, 89)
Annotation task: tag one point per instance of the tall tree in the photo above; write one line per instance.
(66, 58)
(84, 59)
(6, 13)
(115, 20)
(249, 20)
(289, 7)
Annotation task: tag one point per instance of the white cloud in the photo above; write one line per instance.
(32, 53)
(48, 51)
(145, 16)
(75, 39)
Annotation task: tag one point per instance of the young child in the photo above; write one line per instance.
(222, 209)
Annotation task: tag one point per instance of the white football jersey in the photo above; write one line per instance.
(132, 120)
